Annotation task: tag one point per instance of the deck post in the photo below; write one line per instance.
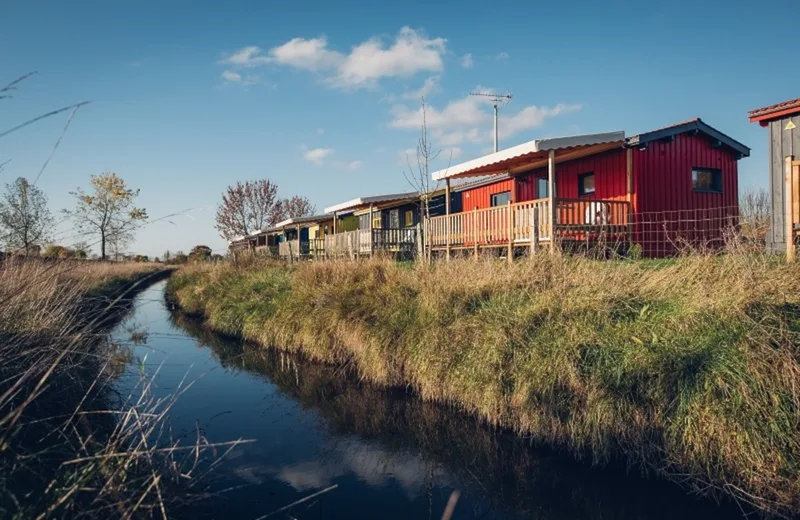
(475, 232)
(447, 212)
(510, 220)
(299, 245)
(551, 196)
(534, 230)
(789, 217)
(371, 239)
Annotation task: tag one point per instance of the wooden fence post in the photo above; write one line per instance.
(510, 219)
(534, 230)
(789, 217)
(475, 232)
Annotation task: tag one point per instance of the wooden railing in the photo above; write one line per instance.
(365, 241)
(526, 221)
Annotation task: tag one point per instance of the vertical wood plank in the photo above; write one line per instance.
(551, 196)
(510, 235)
(447, 212)
(475, 232)
(789, 232)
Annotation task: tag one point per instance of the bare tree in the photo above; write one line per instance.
(25, 220)
(294, 207)
(755, 212)
(247, 207)
(108, 212)
(419, 176)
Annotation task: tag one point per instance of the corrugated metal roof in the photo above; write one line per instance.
(778, 107)
(503, 157)
(364, 201)
(304, 220)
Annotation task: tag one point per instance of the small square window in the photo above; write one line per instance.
(542, 187)
(707, 180)
(586, 184)
(501, 199)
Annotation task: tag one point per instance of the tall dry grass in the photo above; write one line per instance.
(70, 445)
(689, 367)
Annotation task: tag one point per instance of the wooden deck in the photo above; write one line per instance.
(529, 223)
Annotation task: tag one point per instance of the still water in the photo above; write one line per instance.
(388, 454)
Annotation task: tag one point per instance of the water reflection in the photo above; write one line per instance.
(379, 444)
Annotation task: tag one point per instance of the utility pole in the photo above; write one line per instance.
(496, 100)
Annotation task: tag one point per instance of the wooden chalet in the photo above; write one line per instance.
(382, 223)
(589, 189)
(783, 121)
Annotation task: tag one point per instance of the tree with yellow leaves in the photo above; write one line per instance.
(108, 212)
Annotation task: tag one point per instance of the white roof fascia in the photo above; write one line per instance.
(537, 145)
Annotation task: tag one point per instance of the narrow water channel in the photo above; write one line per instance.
(389, 454)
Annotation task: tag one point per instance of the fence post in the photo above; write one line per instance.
(789, 217)
(475, 232)
(510, 219)
(534, 230)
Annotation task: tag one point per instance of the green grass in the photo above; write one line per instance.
(689, 368)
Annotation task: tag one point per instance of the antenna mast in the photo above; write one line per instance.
(496, 100)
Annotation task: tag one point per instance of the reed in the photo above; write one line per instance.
(70, 445)
(688, 368)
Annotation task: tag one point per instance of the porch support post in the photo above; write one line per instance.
(371, 240)
(788, 217)
(475, 232)
(447, 212)
(551, 196)
(299, 248)
(510, 232)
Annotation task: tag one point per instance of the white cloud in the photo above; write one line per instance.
(246, 57)
(469, 120)
(231, 76)
(366, 63)
(354, 165)
(318, 155)
(467, 61)
(430, 86)
(502, 56)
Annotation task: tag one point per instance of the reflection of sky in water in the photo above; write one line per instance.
(303, 445)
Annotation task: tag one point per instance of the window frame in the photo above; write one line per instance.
(545, 182)
(716, 180)
(581, 186)
(409, 218)
(493, 196)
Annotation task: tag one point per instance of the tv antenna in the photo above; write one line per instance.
(497, 99)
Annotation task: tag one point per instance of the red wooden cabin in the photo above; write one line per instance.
(658, 189)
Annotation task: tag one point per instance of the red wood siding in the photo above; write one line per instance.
(610, 177)
(666, 200)
(481, 197)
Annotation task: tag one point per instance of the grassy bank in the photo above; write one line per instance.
(69, 445)
(689, 368)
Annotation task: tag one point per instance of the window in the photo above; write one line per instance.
(707, 179)
(586, 184)
(541, 188)
(409, 217)
(501, 199)
(376, 220)
(394, 219)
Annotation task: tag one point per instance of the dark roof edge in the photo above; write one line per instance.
(699, 125)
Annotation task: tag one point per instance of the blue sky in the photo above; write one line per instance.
(323, 98)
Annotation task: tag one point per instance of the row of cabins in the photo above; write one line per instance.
(655, 190)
